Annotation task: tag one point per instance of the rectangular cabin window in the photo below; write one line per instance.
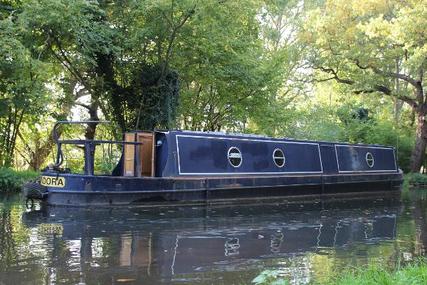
(139, 160)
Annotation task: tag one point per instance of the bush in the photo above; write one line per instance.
(12, 180)
(416, 179)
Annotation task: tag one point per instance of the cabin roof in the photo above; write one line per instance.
(253, 136)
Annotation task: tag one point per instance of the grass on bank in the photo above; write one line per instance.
(12, 180)
(411, 274)
(414, 274)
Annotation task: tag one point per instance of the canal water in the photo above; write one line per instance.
(209, 244)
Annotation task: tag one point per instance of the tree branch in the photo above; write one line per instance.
(376, 88)
(335, 75)
(378, 71)
(66, 62)
(84, 106)
(24, 142)
(387, 91)
(172, 38)
(23, 155)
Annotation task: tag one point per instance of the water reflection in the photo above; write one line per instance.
(207, 245)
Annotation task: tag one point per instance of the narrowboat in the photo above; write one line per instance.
(195, 167)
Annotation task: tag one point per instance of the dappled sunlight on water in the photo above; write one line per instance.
(207, 244)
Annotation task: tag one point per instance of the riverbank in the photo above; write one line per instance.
(414, 273)
(11, 180)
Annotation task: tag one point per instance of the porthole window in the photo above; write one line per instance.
(234, 156)
(370, 159)
(278, 157)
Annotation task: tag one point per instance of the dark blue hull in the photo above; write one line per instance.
(82, 190)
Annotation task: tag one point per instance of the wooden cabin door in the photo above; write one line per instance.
(129, 160)
(146, 154)
(145, 165)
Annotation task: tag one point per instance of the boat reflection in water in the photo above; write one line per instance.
(212, 244)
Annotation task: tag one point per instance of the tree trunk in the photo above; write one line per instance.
(417, 156)
(93, 116)
(41, 152)
(44, 149)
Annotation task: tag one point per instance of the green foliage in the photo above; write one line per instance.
(11, 180)
(263, 67)
(377, 49)
(412, 274)
(233, 77)
(150, 102)
(106, 158)
(269, 277)
(218, 70)
(416, 179)
(22, 87)
(370, 39)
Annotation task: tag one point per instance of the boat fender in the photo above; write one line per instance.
(29, 203)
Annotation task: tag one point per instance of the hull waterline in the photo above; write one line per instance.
(99, 190)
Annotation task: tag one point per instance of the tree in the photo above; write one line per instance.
(280, 23)
(234, 66)
(374, 47)
(219, 59)
(22, 91)
(70, 34)
(36, 134)
(118, 52)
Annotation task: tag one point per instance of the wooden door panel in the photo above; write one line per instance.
(147, 153)
(129, 163)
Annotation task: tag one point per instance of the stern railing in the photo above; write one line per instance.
(88, 145)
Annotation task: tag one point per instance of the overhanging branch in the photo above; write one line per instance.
(378, 71)
(376, 88)
(335, 75)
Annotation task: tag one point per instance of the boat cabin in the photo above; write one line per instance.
(187, 153)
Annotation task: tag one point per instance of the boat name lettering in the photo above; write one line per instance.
(53, 181)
